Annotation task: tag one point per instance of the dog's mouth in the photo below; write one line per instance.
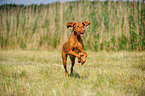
(82, 34)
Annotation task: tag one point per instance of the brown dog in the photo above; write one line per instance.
(74, 46)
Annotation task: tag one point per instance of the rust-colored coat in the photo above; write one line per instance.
(74, 46)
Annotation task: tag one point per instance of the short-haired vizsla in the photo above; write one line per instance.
(74, 46)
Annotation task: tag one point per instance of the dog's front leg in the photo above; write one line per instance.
(84, 54)
(74, 54)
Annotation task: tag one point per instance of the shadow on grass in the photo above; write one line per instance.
(76, 75)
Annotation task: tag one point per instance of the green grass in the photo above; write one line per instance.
(40, 73)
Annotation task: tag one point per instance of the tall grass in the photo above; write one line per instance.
(114, 25)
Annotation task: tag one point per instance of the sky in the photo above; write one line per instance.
(38, 2)
(28, 2)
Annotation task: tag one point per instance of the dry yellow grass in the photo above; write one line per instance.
(114, 25)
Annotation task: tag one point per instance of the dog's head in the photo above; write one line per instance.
(78, 27)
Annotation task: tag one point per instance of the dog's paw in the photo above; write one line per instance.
(79, 60)
(83, 61)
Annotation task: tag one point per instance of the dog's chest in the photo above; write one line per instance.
(77, 47)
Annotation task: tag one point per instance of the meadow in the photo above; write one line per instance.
(114, 25)
(41, 73)
(31, 38)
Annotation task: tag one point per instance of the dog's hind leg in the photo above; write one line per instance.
(64, 58)
(72, 63)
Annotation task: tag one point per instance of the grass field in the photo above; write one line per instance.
(40, 73)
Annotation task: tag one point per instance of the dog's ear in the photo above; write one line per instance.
(86, 23)
(70, 24)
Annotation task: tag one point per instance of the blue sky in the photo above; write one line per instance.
(28, 2)
(25, 2)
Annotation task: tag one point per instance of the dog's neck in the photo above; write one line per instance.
(76, 36)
